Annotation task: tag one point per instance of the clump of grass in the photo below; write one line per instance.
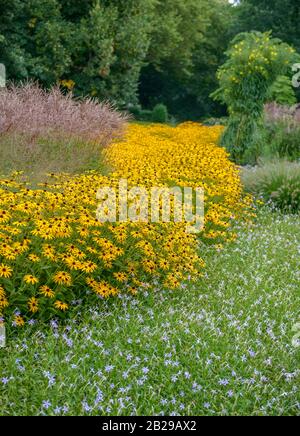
(48, 156)
(275, 113)
(278, 183)
(282, 125)
(45, 131)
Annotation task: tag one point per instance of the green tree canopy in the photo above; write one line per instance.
(280, 16)
(184, 76)
(101, 46)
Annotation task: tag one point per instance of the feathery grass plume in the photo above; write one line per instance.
(45, 130)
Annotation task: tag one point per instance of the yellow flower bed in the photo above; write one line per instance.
(54, 252)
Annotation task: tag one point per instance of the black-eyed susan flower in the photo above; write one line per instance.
(61, 306)
(46, 291)
(4, 216)
(62, 278)
(56, 224)
(120, 276)
(30, 279)
(19, 321)
(5, 271)
(88, 267)
(3, 300)
(33, 305)
(34, 258)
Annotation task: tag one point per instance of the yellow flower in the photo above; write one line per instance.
(63, 213)
(121, 277)
(133, 290)
(63, 278)
(33, 305)
(33, 258)
(46, 291)
(61, 306)
(19, 321)
(30, 280)
(69, 84)
(164, 264)
(5, 271)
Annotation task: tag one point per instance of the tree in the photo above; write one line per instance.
(12, 51)
(106, 48)
(280, 16)
(99, 45)
(110, 50)
(184, 56)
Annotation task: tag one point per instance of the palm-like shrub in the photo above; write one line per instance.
(254, 62)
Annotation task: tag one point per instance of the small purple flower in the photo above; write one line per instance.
(54, 324)
(32, 322)
(109, 368)
(46, 404)
(86, 407)
(224, 382)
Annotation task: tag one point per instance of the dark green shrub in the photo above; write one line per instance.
(135, 111)
(146, 115)
(141, 114)
(215, 121)
(160, 114)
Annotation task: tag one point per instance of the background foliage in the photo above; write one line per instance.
(280, 16)
(136, 52)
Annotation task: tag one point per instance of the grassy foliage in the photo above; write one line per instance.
(282, 141)
(222, 346)
(282, 91)
(282, 125)
(100, 47)
(44, 131)
(277, 183)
